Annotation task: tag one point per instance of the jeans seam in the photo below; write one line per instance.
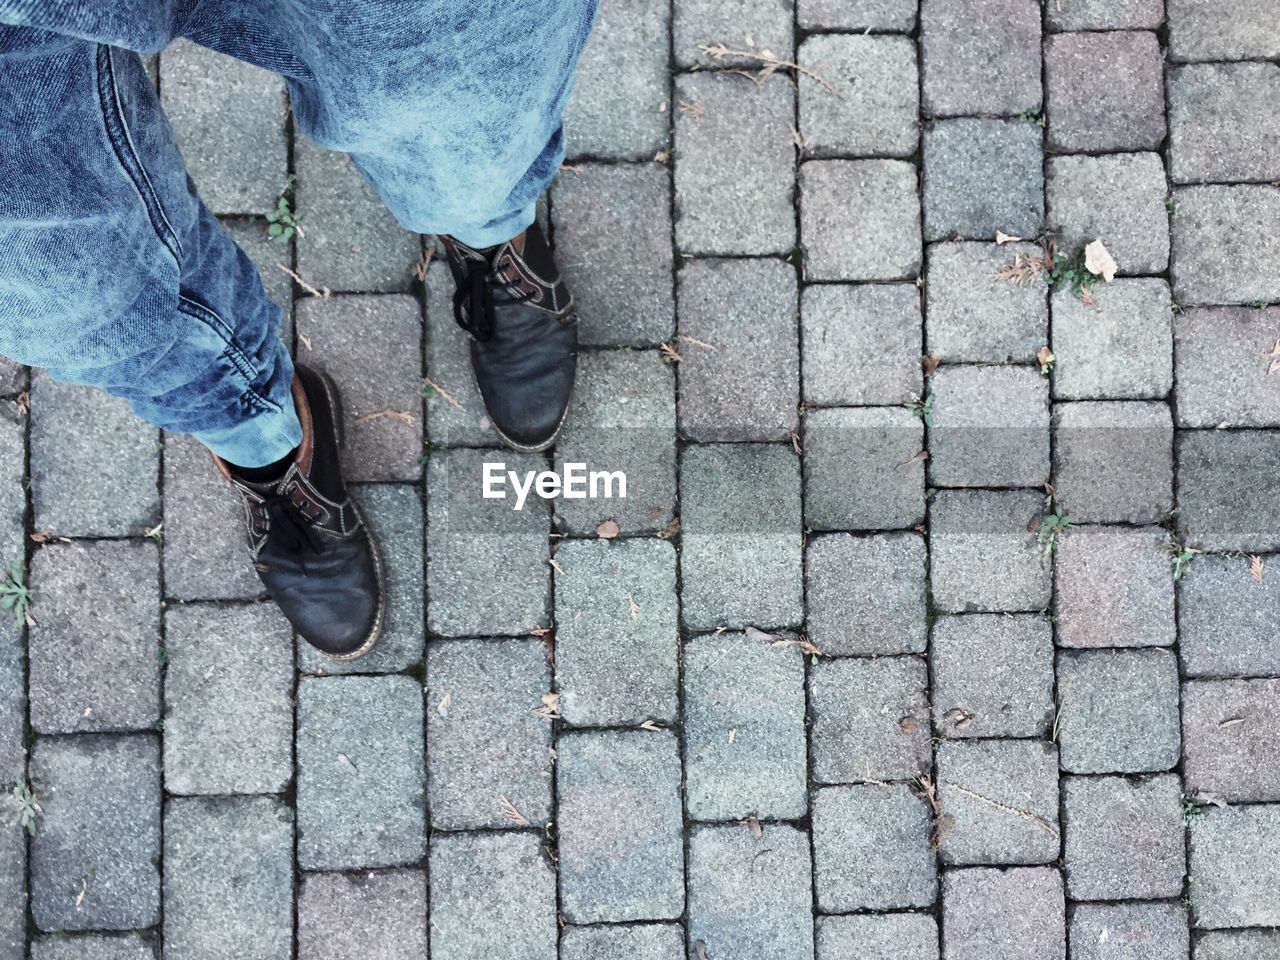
(232, 353)
(127, 154)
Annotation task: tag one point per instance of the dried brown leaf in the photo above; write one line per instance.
(607, 529)
(1002, 238)
(511, 813)
(1099, 262)
(929, 364)
(1256, 568)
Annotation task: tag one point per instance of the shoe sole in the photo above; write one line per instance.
(524, 447)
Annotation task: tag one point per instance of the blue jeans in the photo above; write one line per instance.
(113, 273)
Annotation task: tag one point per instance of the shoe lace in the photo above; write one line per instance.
(289, 526)
(473, 300)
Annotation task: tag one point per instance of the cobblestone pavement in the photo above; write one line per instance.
(855, 706)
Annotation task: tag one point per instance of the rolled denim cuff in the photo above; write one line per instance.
(262, 438)
(497, 231)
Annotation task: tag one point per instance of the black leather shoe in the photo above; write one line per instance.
(524, 335)
(311, 547)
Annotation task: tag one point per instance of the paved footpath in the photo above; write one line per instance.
(869, 699)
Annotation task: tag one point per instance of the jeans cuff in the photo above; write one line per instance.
(263, 438)
(497, 231)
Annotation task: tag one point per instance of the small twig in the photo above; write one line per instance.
(444, 394)
(1005, 808)
(323, 295)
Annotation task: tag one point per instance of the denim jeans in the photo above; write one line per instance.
(113, 273)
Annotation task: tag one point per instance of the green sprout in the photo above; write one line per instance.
(282, 222)
(1053, 526)
(28, 807)
(922, 407)
(15, 595)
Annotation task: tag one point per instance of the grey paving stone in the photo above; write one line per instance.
(861, 343)
(744, 729)
(895, 15)
(449, 369)
(615, 664)
(613, 232)
(867, 595)
(487, 571)
(990, 427)
(1228, 623)
(1235, 867)
(13, 891)
(228, 118)
(980, 176)
(973, 315)
(1105, 91)
(735, 164)
(958, 59)
(1117, 347)
(394, 514)
(1135, 931)
(992, 676)
(842, 202)
(1219, 126)
(870, 719)
(1229, 731)
(745, 903)
(1123, 837)
(622, 82)
(228, 880)
(13, 654)
(1224, 247)
(875, 111)
(95, 856)
(982, 555)
(13, 377)
(1106, 15)
(250, 235)
(228, 696)
(746, 25)
(491, 895)
(871, 848)
(980, 782)
(360, 772)
(1198, 31)
(650, 941)
(746, 385)
(1118, 711)
(93, 946)
(485, 742)
(351, 242)
(990, 914)
(1239, 945)
(887, 936)
(1228, 483)
(93, 463)
(1114, 588)
(351, 917)
(351, 336)
(740, 549)
(1222, 354)
(206, 554)
(1118, 199)
(861, 469)
(619, 867)
(95, 651)
(1113, 460)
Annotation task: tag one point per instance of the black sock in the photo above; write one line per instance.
(272, 471)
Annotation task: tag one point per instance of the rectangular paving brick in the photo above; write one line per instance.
(980, 176)
(1113, 460)
(1114, 588)
(360, 772)
(1224, 250)
(228, 882)
(488, 749)
(746, 384)
(351, 917)
(1105, 91)
(1106, 15)
(990, 914)
(859, 96)
(958, 78)
(1116, 347)
(458, 419)
(13, 654)
(744, 728)
(973, 315)
(228, 695)
(617, 664)
(872, 936)
(1235, 867)
(990, 427)
(1222, 356)
(350, 336)
(93, 463)
(619, 867)
(613, 230)
(744, 903)
(747, 27)
(870, 719)
(616, 110)
(844, 201)
(492, 894)
(1118, 711)
(1198, 31)
(735, 164)
(871, 849)
(867, 595)
(1238, 945)
(861, 344)
(1123, 837)
(740, 550)
(13, 377)
(13, 890)
(1142, 931)
(96, 853)
(650, 941)
(992, 675)
(93, 946)
(1228, 623)
(622, 418)
(888, 15)
(1229, 731)
(980, 782)
(487, 571)
(1228, 482)
(95, 650)
(228, 118)
(1219, 127)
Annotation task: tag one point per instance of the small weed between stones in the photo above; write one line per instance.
(922, 407)
(1182, 557)
(15, 596)
(1053, 525)
(27, 805)
(282, 222)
